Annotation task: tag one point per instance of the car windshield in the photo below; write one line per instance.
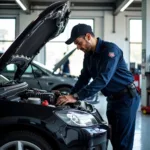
(3, 79)
(44, 67)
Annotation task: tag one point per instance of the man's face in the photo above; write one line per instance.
(83, 43)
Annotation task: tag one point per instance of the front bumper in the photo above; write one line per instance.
(81, 138)
(90, 138)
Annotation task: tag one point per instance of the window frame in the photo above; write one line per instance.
(16, 18)
(130, 43)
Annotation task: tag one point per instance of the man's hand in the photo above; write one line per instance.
(63, 100)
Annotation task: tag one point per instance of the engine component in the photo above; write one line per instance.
(34, 100)
(34, 94)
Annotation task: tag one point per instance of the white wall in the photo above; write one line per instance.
(24, 20)
(103, 25)
(121, 30)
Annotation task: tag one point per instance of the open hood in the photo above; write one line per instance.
(63, 60)
(49, 24)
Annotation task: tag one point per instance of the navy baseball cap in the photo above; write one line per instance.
(77, 31)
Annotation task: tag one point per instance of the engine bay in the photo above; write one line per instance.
(20, 92)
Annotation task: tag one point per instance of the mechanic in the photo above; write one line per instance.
(66, 67)
(104, 62)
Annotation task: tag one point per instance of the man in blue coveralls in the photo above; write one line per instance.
(104, 62)
(66, 67)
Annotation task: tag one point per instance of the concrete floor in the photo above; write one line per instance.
(142, 131)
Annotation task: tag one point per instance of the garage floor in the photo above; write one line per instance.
(142, 132)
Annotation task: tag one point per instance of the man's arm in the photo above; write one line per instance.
(108, 68)
(83, 79)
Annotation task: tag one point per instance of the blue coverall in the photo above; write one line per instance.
(66, 68)
(110, 75)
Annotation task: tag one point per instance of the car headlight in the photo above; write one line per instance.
(77, 118)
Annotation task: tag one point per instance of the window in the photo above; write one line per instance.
(7, 32)
(56, 48)
(136, 53)
(136, 42)
(54, 52)
(10, 68)
(136, 31)
(9, 71)
(29, 69)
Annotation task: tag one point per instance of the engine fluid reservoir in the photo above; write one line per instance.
(34, 100)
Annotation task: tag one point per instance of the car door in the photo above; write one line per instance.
(28, 76)
(33, 76)
(46, 79)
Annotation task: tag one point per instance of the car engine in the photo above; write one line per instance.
(31, 95)
(20, 92)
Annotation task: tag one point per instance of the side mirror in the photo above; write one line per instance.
(38, 73)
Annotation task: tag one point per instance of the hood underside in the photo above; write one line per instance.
(49, 24)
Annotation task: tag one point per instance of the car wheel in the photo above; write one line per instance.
(64, 90)
(24, 140)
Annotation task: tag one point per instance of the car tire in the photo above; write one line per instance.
(64, 90)
(25, 139)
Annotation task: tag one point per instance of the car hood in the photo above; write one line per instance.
(63, 60)
(48, 25)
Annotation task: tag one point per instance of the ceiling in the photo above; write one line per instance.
(113, 5)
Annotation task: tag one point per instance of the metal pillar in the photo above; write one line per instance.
(145, 50)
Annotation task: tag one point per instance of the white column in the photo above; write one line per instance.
(145, 49)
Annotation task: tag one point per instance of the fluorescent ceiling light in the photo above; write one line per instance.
(126, 5)
(21, 5)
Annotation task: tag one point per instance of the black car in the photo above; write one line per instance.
(29, 118)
